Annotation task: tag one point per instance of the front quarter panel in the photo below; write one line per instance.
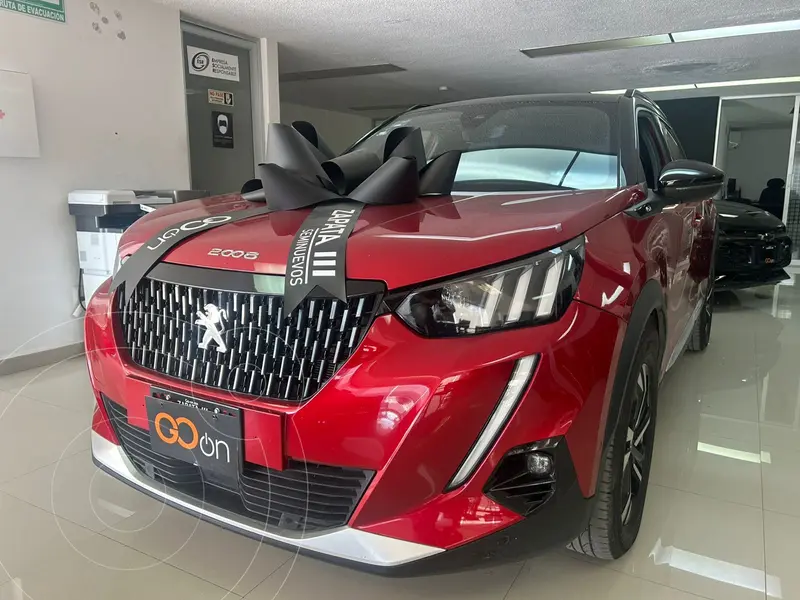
(622, 254)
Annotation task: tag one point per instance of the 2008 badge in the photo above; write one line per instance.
(228, 253)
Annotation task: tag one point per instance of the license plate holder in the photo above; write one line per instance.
(199, 432)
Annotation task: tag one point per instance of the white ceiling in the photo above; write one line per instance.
(472, 46)
(759, 112)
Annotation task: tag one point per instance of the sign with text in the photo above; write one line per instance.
(220, 97)
(222, 129)
(52, 10)
(207, 63)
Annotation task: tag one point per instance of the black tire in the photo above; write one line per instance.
(615, 523)
(701, 333)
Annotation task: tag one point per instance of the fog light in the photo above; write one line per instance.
(539, 464)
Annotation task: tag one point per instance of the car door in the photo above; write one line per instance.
(702, 222)
(653, 150)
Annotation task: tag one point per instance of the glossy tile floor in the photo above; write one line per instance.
(722, 519)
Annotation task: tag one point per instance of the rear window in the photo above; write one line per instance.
(518, 145)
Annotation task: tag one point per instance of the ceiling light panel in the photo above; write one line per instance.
(602, 45)
(770, 80)
(709, 84)
(736, 30)
(669, 88)
(666, 38)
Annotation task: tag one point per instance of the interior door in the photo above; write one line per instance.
(220, 113)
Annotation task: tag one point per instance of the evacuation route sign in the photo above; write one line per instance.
(53, 10)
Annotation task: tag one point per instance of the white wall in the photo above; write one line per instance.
(338, 129)
(762, 154)
(721, 147)
(111, 114)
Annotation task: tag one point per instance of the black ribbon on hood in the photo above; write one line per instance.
(293, 178)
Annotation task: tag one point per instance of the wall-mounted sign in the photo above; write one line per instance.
(220, 97)
(222, 129)
(208, 63)
(52, 10)
(19, 136)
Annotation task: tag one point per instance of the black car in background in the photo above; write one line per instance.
(753, 247)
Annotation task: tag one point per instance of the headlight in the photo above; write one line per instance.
(528, 292)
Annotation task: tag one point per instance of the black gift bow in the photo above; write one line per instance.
(293, 178)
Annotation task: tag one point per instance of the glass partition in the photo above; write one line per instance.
(791, 205)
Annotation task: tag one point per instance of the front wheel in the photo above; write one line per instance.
(622, 483)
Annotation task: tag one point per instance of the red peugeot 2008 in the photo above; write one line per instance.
(441, 347)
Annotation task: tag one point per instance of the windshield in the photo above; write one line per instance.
(518, 145)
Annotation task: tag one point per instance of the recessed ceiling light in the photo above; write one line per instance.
(714, 84)
(736, 30)
(669, 88)
(443, 88)
(664, 38)
(710, 84)
(598, 46)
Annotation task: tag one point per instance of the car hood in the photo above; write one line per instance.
(740, 217)
(402, 245)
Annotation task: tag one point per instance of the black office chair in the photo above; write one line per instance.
(771, 199)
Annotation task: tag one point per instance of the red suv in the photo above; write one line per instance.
(488, 386)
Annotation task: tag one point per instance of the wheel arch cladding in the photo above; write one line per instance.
(649, 305)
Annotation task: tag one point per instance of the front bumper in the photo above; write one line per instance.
(749, 260)
(556, 523)
(407, 409)
(343, 543)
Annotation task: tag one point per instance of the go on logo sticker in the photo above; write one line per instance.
(208, 446)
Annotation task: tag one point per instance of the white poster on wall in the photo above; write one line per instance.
(19, 136)
(208, 63)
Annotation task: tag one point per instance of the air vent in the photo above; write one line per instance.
(343, 72)
(682, 67)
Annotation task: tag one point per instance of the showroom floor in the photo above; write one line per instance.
(722, 518)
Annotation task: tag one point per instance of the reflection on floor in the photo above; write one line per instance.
(722, 518)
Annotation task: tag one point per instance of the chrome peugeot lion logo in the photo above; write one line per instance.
(212, 318)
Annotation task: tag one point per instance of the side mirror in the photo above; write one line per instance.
(690, 180)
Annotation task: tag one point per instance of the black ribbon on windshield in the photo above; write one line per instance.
(295, 177)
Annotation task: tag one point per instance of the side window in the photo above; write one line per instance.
(673, 145)
(651, 151)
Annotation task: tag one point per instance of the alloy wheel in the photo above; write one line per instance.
(636, 452)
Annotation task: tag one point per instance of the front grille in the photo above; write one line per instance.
(303, 497)
(266, 353)
(735, 253)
